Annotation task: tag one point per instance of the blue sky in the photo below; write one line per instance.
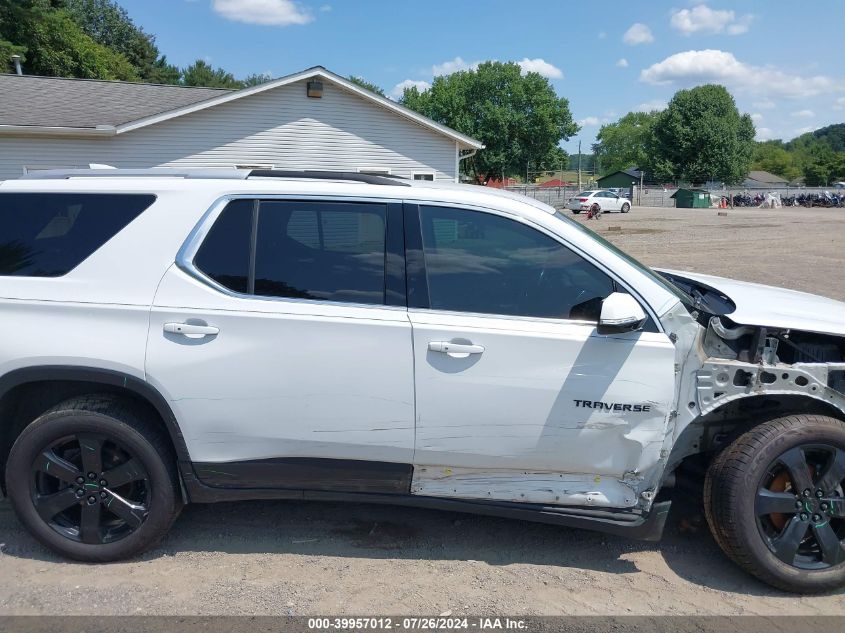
(782, 60)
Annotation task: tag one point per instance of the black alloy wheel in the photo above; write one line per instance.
(90, 489)
(800, 506)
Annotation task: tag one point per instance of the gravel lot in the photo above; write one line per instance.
(321, 558)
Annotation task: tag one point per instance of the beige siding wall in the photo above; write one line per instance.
(281, 127)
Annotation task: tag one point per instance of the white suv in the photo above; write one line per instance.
(173, 337)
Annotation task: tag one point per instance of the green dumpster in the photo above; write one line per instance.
(692, 198)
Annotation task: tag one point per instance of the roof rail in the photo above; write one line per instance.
(370, 179)
(152, 172)
(224, 173)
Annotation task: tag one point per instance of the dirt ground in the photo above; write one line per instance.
(325, 558)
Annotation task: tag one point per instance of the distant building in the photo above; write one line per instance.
(622, 179)
(763, 179)
(313, 119)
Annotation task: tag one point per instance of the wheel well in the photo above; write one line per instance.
(23, 403)
(702, 440)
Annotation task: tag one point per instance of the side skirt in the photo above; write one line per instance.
(646, 527)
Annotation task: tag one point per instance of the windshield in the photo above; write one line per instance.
(665, 283)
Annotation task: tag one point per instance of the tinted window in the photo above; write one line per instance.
(324, 251)
(479, 262)
(50, 234)
(224, 254)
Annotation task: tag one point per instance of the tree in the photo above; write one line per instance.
(701, 136)
(109, 24)
(360, 81)
(623, 144)
(53, 44)
(519, 118)
(771, 156)
(256, 79)
(200, 73)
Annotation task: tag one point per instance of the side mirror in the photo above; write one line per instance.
(620, 312)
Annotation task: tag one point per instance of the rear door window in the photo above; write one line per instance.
(324, 251)
(50, 234)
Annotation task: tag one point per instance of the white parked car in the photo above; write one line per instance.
(174, 337)
(599, 199)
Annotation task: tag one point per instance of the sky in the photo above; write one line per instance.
(782, 60)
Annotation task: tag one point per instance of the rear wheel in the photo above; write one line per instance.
(576, 211)
(626, 207)
(93, 480)
(775, 503)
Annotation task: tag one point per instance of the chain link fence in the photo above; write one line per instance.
(661, 195)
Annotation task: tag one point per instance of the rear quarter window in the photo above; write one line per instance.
(50, 234)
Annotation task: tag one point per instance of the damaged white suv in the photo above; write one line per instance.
(174, 337)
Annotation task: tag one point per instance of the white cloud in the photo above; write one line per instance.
(639, 33)
(621, 63)
(703, 19)
(765, 104)
(602, 35)
(590, 121)
(839, 104)
(756, 117)
(537, 65)
(540, 66)
(325, 8)
(399, 89)
(803, 114)
(453, 66)
(709, 66)
(764, 134)
(267, 12)
(650, 106)
(804, 130)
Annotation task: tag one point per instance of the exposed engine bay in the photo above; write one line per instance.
(747, 369)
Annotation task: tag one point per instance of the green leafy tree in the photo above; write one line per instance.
(360, 81)
(201, 73)
(773, 157)
(109, 24)
(701, 136)
(53, 44)
(256, 79)
(623, 144)
(519, 118)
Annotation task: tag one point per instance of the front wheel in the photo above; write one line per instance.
(93, 480)
(626, 207)
(775, 504)
(576, 211)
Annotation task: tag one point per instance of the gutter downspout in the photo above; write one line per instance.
(461, 157)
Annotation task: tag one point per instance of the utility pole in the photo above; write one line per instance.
(640, 192)
(579, 164)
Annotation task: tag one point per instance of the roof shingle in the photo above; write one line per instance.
(87, 103)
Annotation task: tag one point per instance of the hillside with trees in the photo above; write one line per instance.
(94, 39)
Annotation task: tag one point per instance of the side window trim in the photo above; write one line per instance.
(395, 293)
(417, 276)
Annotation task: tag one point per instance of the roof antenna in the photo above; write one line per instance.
(16, 60)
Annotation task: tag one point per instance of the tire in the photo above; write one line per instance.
(108, 521)
(626, 207)
(576, 211)
(769, 467)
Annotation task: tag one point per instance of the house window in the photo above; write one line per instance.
(423, 175)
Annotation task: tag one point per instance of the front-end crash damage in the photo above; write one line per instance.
(748, 361)
(753, 359)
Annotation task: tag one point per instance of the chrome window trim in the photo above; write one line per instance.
(186, 254)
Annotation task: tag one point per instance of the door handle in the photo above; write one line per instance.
(445, 347)
(191, 329)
